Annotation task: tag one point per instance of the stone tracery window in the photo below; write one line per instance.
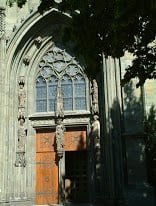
(56, 65)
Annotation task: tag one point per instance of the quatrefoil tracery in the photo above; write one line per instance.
(57, 62)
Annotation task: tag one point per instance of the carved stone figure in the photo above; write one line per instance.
(20, 159)
(38, 41)
(96, 131)
(26, 60)
(95, 106)
(96, 127)
(22, 132)
(60, 138)
(21, 95)
(21, 136)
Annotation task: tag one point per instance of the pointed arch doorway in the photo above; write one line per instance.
(62, 179)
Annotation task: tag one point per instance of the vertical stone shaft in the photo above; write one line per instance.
(111, 132)
(3, 137)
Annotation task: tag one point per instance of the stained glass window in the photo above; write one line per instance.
(67, 92)
(52, 86)
(80, 92)
(55, 66)
(41, 95)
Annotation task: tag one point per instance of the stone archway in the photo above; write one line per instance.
(23, 60)
(58, 76)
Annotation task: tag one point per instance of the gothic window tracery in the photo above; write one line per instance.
(56, 65)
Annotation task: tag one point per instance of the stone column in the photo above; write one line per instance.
(111, 141)
(3, 138)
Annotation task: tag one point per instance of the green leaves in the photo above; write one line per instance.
(111, 27)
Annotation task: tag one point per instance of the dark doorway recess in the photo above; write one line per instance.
(76, 179)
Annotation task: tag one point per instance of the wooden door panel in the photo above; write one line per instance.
(46, 178)
(75, 140)
(47, 171)
(45, 142)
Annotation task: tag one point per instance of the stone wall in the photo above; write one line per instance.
(136, 102)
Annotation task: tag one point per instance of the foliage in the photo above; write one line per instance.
(150, 128)
(111, 27)
(150, 144)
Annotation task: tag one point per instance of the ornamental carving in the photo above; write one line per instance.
(38, 41)
(21, 130)
(20, 159)
(59, 139)
(94, 92)
(58, 71)
(22, 92)
(2, 22)
(58, 62)
(95, 131)
(96, 127)
(26, 60)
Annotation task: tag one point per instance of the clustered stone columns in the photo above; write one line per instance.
(3, 142)
(112, 153)
(22, 131)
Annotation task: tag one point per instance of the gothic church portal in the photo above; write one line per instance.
(63, 137)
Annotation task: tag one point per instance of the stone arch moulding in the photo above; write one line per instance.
(36, 35)
(28, 44)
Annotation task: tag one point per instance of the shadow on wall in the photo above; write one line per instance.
(150, 145)
(133, 109)
(128, 158)
(128, 151)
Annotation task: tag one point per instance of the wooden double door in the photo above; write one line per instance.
(48, 169)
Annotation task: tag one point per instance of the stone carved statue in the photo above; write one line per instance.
(20, 153)
(20, 159)
(95, 131)
(21, 136)
(95, 106)
(22, 93)
(96, 127)
(60, 138)
(38, 41)
(22, 132)
(22, 96)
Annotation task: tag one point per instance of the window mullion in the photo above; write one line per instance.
(47, 83)
(87, 94)
(73, 96)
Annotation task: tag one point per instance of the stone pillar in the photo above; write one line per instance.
(111, 141)
(3, 138)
